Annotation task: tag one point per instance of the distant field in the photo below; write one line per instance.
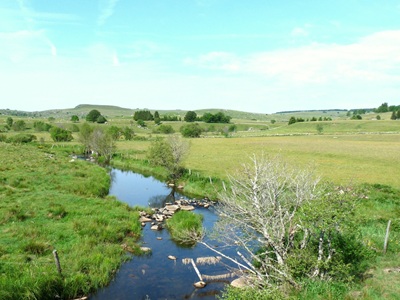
(343, 159)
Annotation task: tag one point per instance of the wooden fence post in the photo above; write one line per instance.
(386, 236)
(57, 261)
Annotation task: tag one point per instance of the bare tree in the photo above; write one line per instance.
(286, 225)
(179, 148)
(259, 212)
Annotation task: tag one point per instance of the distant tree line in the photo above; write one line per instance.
(385, 107)
(293, 120)
(219, 117)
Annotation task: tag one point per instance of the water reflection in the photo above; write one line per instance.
(155, 276)
(161, 200)
(137, 189)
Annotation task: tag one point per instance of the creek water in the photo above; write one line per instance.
(154, 276)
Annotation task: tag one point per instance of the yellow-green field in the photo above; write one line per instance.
(344, 159)
(356, 158)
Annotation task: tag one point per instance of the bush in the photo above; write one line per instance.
(191, 130)
(21, 138)
(60, 135)
(74, 128)
(19, 125)
(74, 118)
(41, 126)
(128, 133)
(101, 119)
(165, 129)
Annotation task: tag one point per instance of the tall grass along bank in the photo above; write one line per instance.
(48, 202)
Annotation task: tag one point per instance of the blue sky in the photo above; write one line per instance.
(257, 56)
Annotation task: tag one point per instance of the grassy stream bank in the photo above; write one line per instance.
(50, 202)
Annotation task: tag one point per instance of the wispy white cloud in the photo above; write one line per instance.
(25, 45)
(107, 8)
(375, 57)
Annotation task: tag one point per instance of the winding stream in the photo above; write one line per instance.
(155, 276)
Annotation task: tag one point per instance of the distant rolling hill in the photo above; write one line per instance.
(116, 111)
(111, 111)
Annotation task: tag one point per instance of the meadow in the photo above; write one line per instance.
(47, 202)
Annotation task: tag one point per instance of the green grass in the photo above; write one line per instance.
(343, 160)
(48, 202)
(182, 222)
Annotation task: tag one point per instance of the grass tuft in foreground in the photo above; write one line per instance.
(183, 222)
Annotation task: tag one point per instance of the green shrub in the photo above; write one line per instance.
(19, 125)
(60, 135)
(191, 130)
(21, 138)
(41, 126)
(165, 129)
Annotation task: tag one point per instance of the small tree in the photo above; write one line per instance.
(102, 143)
(84, 136)
(169, 153)
(292, 120)
(93, 115)
(157, 119)
(115, 132)
(9, 122)
(190, 116)
(393, 116)
(160, 153)
(74, 118)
